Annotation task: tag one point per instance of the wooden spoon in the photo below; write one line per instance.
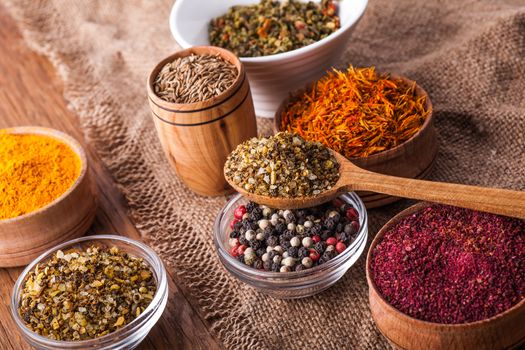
(353, 178)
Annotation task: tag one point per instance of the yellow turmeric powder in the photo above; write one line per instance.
(34, 171)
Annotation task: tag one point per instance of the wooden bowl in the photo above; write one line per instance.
(414, 158)
(198, 137)
(25, 237)
(503, 331)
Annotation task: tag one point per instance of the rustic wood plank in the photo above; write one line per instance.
(31, 94)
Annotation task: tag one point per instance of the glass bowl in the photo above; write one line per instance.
(290, 285)
(127, 337)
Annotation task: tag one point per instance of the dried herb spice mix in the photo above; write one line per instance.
(194, 78)
(357, 112)
(291, 240)
(272, 27)
(79, 295)
(282, 165)
(451, 265)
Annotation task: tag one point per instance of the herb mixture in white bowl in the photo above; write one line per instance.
(271, 77)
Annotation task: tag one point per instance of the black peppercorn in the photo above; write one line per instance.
(287, 234)
(325, 235)
(301, 221)
(268, 231)
(234, 234)
(320, 247)
(293, 252)
(250, 206)
(300, 267)
(290, 217)
(302, 253)
(272, 254)
(276, 267)
(241, 258)
(258, 264)
(339, 227)
(350, 229)
(285, 244)
(316, 230)
(280, 227)
(267, 265)
(243, 240)
(260, 251)
(330, 223)
(255, 244)
(237, 225)
(256, 214)
(272, 241)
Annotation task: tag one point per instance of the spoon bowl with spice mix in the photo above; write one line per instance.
(285, 171)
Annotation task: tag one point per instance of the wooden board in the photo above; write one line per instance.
(31, 94)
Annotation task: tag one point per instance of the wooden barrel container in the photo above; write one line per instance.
(25, 237)
(413, 158)
(503, 331)
(198, 137)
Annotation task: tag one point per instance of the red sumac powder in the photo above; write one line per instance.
(451, 265)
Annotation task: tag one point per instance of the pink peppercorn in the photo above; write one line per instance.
(451, 265)
(316, 238)
(352, 214)
(314, 255)
(239, 212)
(340, 247)
(331, 241)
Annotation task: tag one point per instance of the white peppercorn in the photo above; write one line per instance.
(274, 219)
(277, 259)
(250, 235)
(285, 255)
(245, 216)
(308, 224)
(232, 242)
(267, 212)
(307, 242)
(260, 236)
(330, 248)
(291, 226)
(263, 224)
(265, 257)
(284, 269)
(295, 242)
(307, 262)
(288, 262)
(299, 229)
(269, 249)
(278, 249)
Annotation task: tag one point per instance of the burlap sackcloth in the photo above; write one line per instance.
(468, 55)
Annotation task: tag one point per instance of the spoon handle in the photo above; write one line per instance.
(492, 200)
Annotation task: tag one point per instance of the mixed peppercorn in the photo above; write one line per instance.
(291, 240)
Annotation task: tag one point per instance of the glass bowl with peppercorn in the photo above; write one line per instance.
(96, 292)
(291, 253)
(282, 44)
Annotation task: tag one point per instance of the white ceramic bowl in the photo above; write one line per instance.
(271, 77)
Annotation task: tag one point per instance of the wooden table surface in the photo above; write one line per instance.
(31, 94)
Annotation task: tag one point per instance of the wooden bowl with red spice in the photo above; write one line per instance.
(502, 328)
(24, 237)
(413, 158)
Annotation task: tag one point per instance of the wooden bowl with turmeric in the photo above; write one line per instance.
(46, 193)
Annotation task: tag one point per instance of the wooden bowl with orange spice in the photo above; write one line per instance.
(410, 150)
(442, 277)
(47, 193)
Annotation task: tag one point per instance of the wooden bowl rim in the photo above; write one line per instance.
(443, 326)
(71, 143)
(383, 154)
(199, 105)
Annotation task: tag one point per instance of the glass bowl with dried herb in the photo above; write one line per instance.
(97, 292)
(290, 254)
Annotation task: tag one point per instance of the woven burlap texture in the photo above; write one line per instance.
(468, 55)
